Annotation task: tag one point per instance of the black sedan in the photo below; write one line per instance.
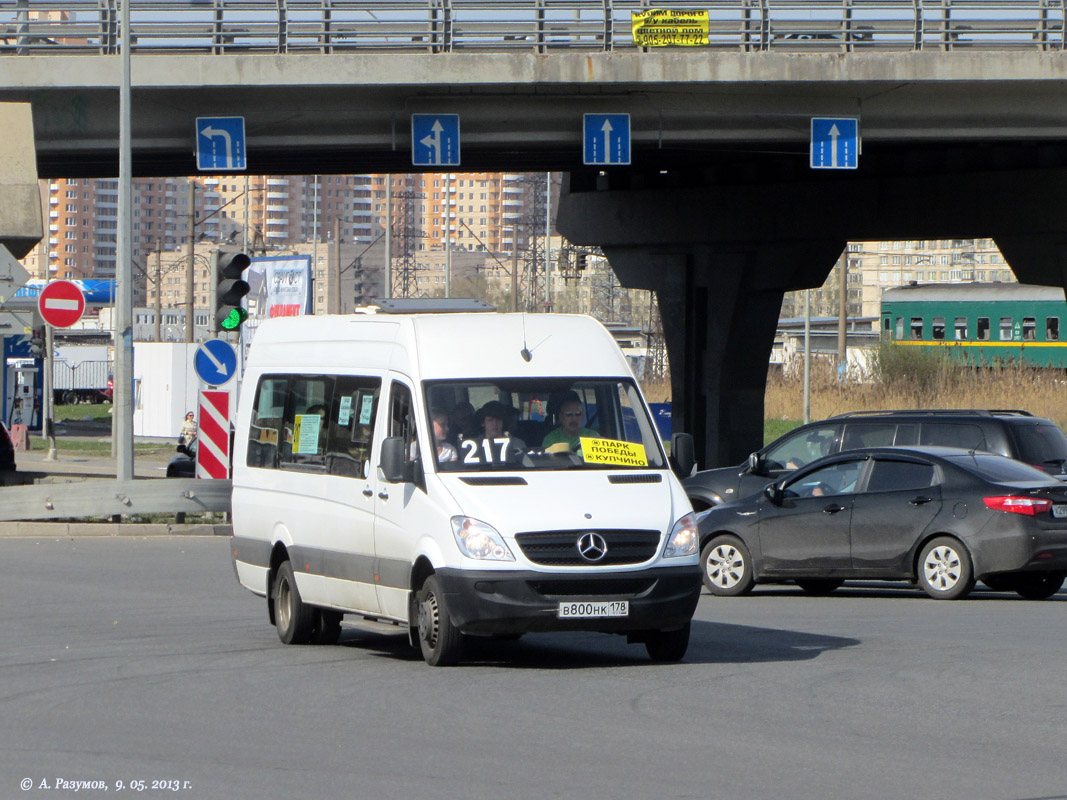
(940, 517)
(183, 465)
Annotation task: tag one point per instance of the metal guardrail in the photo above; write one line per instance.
(79, 27)
(106, 498)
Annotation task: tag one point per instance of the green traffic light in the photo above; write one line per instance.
(233, 320)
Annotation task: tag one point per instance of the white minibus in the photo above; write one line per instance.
(458, 474)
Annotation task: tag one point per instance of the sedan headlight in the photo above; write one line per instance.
(683, 539)
(478, 540)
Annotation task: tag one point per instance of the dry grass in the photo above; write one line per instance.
(1041, 392)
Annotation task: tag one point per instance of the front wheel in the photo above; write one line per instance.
(294, 619)
(1038, 585)
(945, 569)
(727, 566)
(667, 646)
(440, 641)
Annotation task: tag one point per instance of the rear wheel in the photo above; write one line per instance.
(664, 646)
(1038, 585)
(327, 627)
(294, 619)
(727, 566)
(945, 569)
(440, 641)
(820, 587)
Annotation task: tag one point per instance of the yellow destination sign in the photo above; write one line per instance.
(612, 451)
(661, 27)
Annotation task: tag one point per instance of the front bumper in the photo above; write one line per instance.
(523, 602)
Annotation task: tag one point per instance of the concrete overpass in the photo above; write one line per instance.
(719, 211)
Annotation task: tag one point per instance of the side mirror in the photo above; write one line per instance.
(773, 492)
(394, 461)
(183, 450)
(756, 464)
(683, 454)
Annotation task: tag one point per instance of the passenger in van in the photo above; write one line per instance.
(570, 430)
(445, 450)
(493, 417)
(461, 422)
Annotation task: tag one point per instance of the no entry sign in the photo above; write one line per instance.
(61, 304)
(213, 435)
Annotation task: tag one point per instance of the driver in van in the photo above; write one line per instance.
(570, 430)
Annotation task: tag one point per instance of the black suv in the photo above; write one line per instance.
(1017, 434)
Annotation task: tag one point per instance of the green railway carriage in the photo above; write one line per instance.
(980, 324)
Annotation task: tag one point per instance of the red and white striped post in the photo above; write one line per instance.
(213, 435)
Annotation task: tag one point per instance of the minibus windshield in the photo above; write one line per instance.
(541, 424)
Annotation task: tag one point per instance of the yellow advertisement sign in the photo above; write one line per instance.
(660, 27)
(612, 451)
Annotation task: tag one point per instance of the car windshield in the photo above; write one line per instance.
(1000, 469)
(541, 424)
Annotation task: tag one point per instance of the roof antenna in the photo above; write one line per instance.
(525, 352)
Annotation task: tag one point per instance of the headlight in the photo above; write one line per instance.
(479, 540)
(683, 539)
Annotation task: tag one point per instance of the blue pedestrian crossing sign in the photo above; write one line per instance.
(835, 143)
(606, 139)
(435, 140)
(220, 143)
(215, 362)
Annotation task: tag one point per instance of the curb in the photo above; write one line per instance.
(27, 530)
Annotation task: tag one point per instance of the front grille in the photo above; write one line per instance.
(560, 548)
(621, 588)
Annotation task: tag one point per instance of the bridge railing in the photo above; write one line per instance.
(54, 27)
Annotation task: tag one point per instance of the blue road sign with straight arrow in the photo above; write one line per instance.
(215, 362)
(220, 143)
(435, 140)
(606, 139)
(835, 143)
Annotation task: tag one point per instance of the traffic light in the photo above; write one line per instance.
(37, 347)
(230, 289)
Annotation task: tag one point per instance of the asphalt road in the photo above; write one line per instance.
(143, 660)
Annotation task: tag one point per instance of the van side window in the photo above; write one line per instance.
(947, 434)
(867, 434)
(306, 423)
(265, 430)
(402, 419)
(351, 429)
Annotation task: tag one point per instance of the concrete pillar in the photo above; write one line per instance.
(21, 221)
(719, 308)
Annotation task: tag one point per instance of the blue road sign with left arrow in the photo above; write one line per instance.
(435, 140)
(215, 362)
(606, 139)
(220, 143)
(835, 143)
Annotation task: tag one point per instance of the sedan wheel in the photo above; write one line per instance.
(945, 569)
(727, 567)
(1039, 585)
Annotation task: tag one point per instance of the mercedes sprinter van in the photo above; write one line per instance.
(458, 474)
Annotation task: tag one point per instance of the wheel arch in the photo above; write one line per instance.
(929, 537)
(751, 544)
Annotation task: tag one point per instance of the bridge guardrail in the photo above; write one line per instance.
(57, 27)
